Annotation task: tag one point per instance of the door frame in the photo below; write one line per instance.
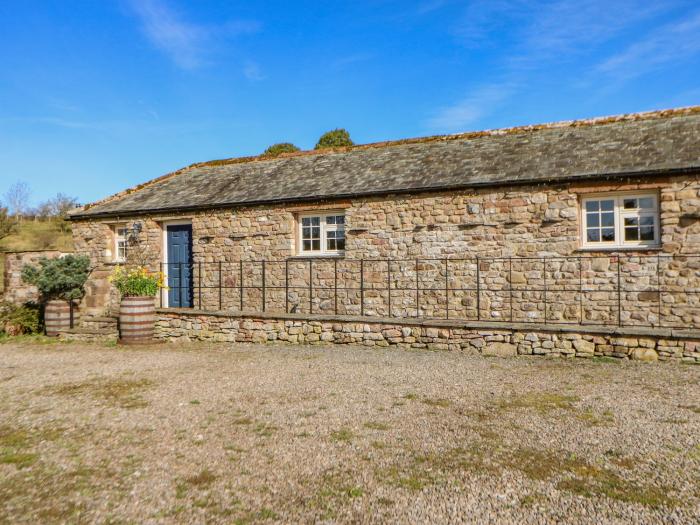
(164, 226)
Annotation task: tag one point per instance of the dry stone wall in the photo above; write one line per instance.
(538, 340)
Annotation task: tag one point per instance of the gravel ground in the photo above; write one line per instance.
(247, 434)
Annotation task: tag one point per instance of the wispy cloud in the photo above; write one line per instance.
(253, 72)
(670, 44)
(470, 109)
(186, 43)
(550, 33)
(348, 60)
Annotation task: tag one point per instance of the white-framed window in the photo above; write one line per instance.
(120, 242)
(616, 220)
(322, 233)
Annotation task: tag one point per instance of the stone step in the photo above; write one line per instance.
(101, 335)
(96, 322)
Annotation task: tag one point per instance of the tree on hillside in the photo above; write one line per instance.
(336, 138)
(7, 223)
(61, 204)
(17, 199)
(277, 149)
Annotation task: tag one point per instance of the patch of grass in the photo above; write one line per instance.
(376, 425)
(531, 500)
(121, 392)
(194, 402)
(542, 402)
(31, 339)
(203, 479)
(604, 359)
(264, 514)
(344, 435)
(243, 421)
(596, 419)
(19, 459)
(265, 430)
(581, 477)
(442, 403)
(410, 396)
(692, 408)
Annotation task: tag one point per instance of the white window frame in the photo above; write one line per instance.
(325, 228)
(620, 213)
(118, 239)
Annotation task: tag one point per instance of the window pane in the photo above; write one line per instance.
(330, 244)
(316, 232)
(330, 219)
(631, 221)
(341, 244)
(607, 234)
(306, 221)
(331, 234)
(593, 235)
(307, 245)
(631, 234)
(306, 233)
(593, 219)
(607, 219)
(316, 244)
(646, 202)
(607, 205)
(315, 221)
(646, 233)
(592, 205)
(630, 204)
(646, 221)
(340, 219)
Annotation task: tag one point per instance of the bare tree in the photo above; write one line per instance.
(61, 204)
(17, 198)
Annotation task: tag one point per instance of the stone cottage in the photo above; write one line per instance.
(593, 224)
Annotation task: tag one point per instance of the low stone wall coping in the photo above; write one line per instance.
(625, 331)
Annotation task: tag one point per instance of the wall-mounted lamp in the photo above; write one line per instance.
(134, 231)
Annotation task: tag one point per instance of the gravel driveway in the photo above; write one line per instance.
(248, 434)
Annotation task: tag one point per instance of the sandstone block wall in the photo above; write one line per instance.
(534, 224)
(537, 340)
(15, 290)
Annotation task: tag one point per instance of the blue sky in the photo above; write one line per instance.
(96, 96)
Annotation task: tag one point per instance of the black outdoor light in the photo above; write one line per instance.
(134, 231)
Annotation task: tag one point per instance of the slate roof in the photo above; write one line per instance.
(638, 144)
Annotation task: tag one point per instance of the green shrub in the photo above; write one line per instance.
(16, 320)
(336, 138)
(60, 278)
(137, 282)
(277, 149)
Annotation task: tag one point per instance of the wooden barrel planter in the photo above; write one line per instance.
(58, 317)
(137, 318)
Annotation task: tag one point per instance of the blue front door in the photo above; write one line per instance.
(179, 266)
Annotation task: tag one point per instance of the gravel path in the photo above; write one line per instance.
(248, 434)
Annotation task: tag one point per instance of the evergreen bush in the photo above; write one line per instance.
(336, 138)
(277, 149)
(60, 278)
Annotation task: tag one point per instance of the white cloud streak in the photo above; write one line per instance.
(670, 44)
(470, 109)
(544, 33)
(186, 43)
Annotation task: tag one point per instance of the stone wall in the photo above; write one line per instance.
(475, 338)
(15, 290)
(536, 224)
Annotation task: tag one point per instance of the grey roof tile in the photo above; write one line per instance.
(649, 142)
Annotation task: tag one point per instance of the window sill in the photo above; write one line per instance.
(588, 249)
(318, 256)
